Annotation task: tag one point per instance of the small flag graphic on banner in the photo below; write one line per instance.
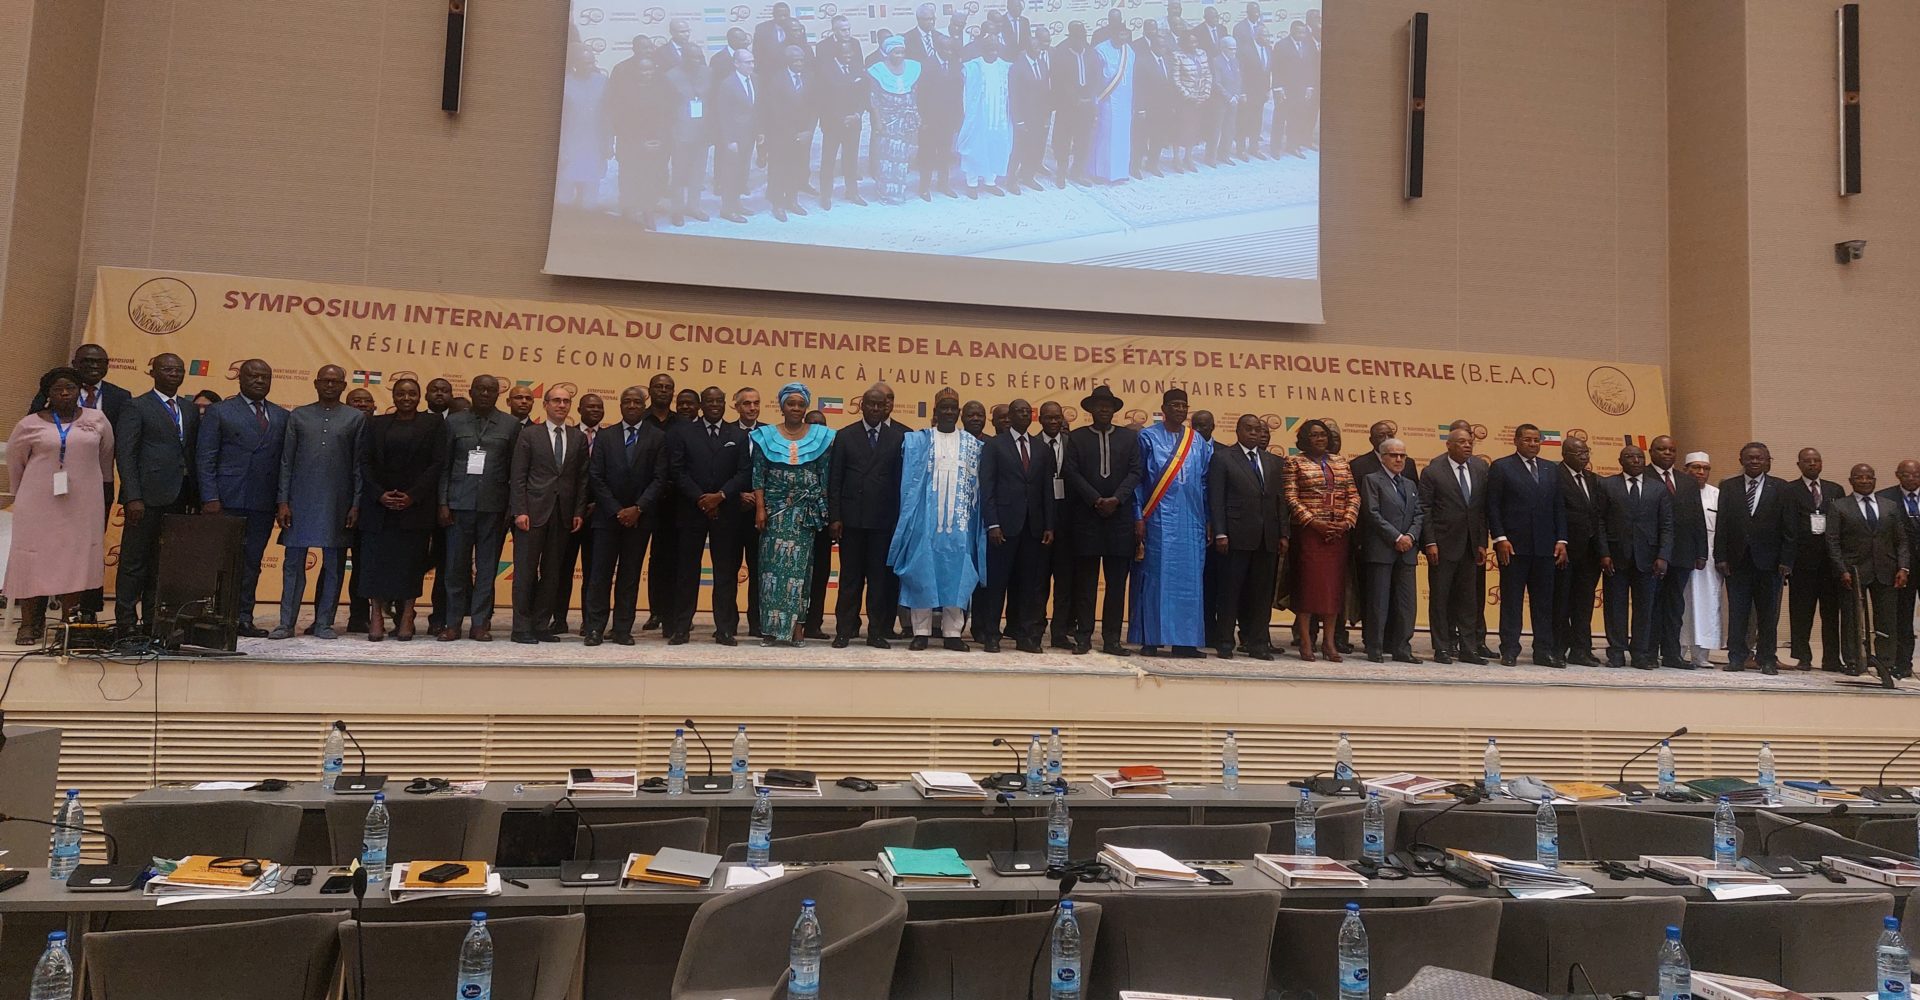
(1550, 439)
(197, 367)
(832, 404)
(363, 377)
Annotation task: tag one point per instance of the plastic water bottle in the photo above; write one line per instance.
(1305, 841)
(1054, 755)
(1546, 834)
(1676, 973)
(1059, 826)
(373, 844)
(1066, 955)
(1893, 969)
(1373, 838)
(333, 757)
(1354, 971)
(66, 837)
(1230, 763)
(740, 758)
(1725, 839)
(1490, 768)
(476, 961)
(760, 828)
(804, 955)
(1036, 765)
(1666, 768)
(1343, 759)
(1768, 787)
(677, 764)
(53, 974)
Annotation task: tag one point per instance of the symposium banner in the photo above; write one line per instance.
(216, 321)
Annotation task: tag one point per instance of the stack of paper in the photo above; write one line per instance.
(907, 867)
(671, 866)
(1738, 791)
(1820, 793)
(1700, 871)
(602, 781)
(1308, 871)
(1507, 873)
(947, 785)
(1720, 986)
(198, 878)
(1406, 786)
(1586, 791)
(1886, 871)
(1133, 783)
(1138, 995)
(404, 884)
(758, 780)
(1137, 866)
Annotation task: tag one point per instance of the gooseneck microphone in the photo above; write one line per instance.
(711, 784)
(1411, 858)
(362, 783)
(590, 870)
(1880, 791)
(110, 877)
(1773, 865)
(359, 900)
(1016, 861)
(1633, 789)
(1009, 781)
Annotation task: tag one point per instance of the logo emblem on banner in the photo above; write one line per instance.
(1611, 391)
(162, 306)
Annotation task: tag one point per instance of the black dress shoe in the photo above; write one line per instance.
(726, 640)
(1115, 649)
(815, 632)
(1474, 658)
(840, 642)
(1483, 651)
(1376, 658)
(878, 643)
(652, 624)
(919, 643)
(1770, 669)
(1509, 661)
(1645, 665)
(1223, 652)
(524, 638)
(1263, 653)
(1186, 653)
(1682, 665)
(1406, 659)
(1583, 660)
(957, 645)
(547, 636)
(991, 645)
(1082, 648)
(1442, 657)
(623, 639)
(1028, 646)
(677, 639)
(1149, 650)
(592, 638)
(1061, 642)
(1549, 661)
(251, 632)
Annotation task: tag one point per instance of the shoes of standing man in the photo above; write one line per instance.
(878, 643)
(1029, 646)
(919, 643)
(1474, 658)
(622, 639)
(840, 642)
(591, 637)
(525, 638)
(955, 644)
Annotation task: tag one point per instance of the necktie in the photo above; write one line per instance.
(747, 83)
(1253, 459)
(1026, 459)
(1913, 505)
(1581, 478)
(93, 398)
(1813, 488)
(1753, 496)
(1533, 472)
(1466, 489)
(1633, 490)
(873, 436)
(713, 432)
(260, 414)
(1666, 476)
(173, 410)
(559, 447)
(632, 433)
(796, 79)
(1399, 489)
(1873, 516)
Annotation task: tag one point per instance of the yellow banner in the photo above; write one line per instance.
(216, 321)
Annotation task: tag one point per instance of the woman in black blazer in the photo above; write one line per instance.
(399, 506)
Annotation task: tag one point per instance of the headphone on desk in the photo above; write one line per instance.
(247, 867)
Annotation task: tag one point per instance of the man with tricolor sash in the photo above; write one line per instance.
(1172, 533)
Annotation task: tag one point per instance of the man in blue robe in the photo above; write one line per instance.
(939, 546)
(1113, 103)
(1173, 534)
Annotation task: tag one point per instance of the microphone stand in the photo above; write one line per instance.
(1016, 861)
(1008, 781)
(1067, 881)
(363, 783)
(1411, 860)
(360, 952)
(1880, 791)
(711, 784)
(591, 871)
(1776, 865)
(1633, 789)
(110, 877)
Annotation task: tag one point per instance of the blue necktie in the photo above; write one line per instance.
(632, 432)
(873, 437)
(1913, 506)
(1867, 507)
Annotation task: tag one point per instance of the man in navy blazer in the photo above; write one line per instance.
(1527, 515)
(153, 444)
(1754, 543)
(709, 468)
(238, 458)
(863, 505)
(1636, 547)
(1016, 502)
(627, 477)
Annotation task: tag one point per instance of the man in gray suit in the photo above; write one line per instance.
(1453, 491)
(473, 503)
(153, 444)
(1391, 520)
(1250, 528)
(1636, 545)
(1872, 556)
(547, 499)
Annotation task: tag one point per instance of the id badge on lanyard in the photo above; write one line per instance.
(60, 474)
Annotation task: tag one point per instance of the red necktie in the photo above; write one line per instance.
(1025, 457)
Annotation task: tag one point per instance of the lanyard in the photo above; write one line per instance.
(63, 429)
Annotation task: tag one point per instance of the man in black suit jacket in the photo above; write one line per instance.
(547, 500)
(710, 468)
(1101, 474)
(663, 568)
(1453, 489)
(1030, 101)
(1871, 557)
(1154, 100)
(690, 136)
(1754, 546)
(1250, 528)
(1573, 591)
(1255, 51)
(1815, 586)
(628, 478)
(863, 505)
(1076, 83)
(1017, 30)
(1016, 504)
(736, 128)
(771, 38)
(1636, 547)
(1903, 499)
(939, 95)
(1364, 465)
(1053, 437)
(790, 110)
(841, 86)
(1392, 520)
(1689, 549)
(153, 445)
(1527, 515)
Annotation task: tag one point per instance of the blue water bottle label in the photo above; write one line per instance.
(470, 991)
(1892, 988)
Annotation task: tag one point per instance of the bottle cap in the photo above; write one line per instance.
(1892, 923)
(1673, 932)
(73, 793)
(479, 915)
(56, 936)
(1725, 799)
(743, 727)
(379, 796)
(679, 732)
(1066, 906)
(806, 902)
(1056, 730)
(1353, 907)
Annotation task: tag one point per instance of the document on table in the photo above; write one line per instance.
(747, 875)
(223, 786)
(1746, 890)
(1548, 891)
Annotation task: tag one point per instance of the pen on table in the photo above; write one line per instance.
(513, 881)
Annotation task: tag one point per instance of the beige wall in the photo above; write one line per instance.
(306, 141)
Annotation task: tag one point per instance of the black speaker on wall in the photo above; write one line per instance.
(1416, 164)
(456, 56)
(1849, 78)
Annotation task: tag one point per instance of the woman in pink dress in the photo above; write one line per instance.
(59, 463)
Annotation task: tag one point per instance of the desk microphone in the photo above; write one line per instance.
(1016, 861)
(1068, 880)
(1008, 781)
(1592, 990)
(362, 783)
(1883, 792)
(359, 900)
(1635, 790)
(711, 784)
(590, 871)
(1410, 859)
(110, 877)
(1777, 865)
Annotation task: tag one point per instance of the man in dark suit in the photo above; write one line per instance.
(841, 87)
(1076, 83)
(1903, 500)
(1528, 518)
(547, 502)
(1755, 543)
(790, 112)
(1362, 466)
(1453, 489)
(746, 408)
(863, 505)
(1636, 547)
(1017, 30)
(736, 125)
(1102, 471)
(1053, 437)
(939, 95)
(1871, 556)
(663, 568)
(710, 468)
(1295, 77)
(1250, 528)
(722, 62)
(1154, 100)
(691, 135)
(1689, 550)
(1574, 589)
(1255, 51)
(770, 40)
(578, 554)
(1815, 586)
(237, 459)
(153, 445)
(1030, 101)
(628, 479)
(1392, 520)
(1016, 503)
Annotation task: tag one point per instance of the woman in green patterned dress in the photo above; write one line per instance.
(789, 507)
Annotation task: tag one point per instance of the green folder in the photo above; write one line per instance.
(939, 862)
(1716, 787)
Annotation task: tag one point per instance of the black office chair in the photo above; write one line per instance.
(1208, 943)
(614, 841)
(1822, 942)
(1615, 941)
(943, 959)
(224, 828)
(534, 958)
(422, 828)
(737, 945)
(1895, 835)
(976, 836)
(1505, 833)
(1450, 933)
(1622, 833)
(280, 958)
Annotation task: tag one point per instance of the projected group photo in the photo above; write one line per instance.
(1149, 136)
